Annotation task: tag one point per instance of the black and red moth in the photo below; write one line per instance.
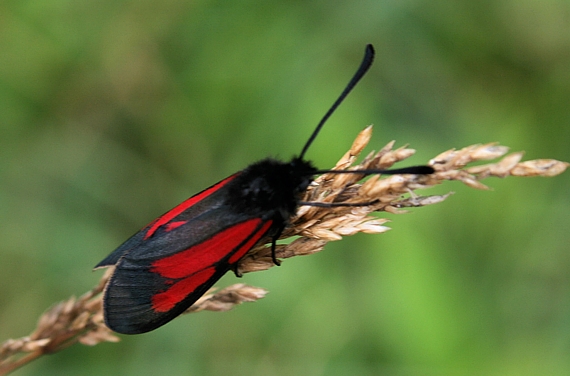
(165, 267)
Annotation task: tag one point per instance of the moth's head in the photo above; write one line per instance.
(271, 185)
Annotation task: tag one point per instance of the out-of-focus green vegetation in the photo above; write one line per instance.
(111, 112)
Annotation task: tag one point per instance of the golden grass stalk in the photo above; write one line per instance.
(81, 319)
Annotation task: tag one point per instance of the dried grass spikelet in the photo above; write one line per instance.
(316, 226)
(81, 320)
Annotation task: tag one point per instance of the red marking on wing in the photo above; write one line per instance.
(250, 243)
(177, 210)
(194, 266)
(209, 252)
(165, 301)
(172, 225)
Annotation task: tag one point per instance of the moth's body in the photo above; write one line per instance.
(168, 265)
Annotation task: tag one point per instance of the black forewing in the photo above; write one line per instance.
(130, 296)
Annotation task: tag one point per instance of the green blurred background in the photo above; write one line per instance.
(111, 112)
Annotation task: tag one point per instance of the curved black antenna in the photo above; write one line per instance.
(366, 63)
(416, 170)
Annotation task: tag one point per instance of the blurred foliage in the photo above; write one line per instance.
(111, 112)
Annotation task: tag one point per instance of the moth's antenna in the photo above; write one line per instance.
(417, 170)
(366, 63)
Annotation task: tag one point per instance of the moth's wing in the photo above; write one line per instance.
(166, 274)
